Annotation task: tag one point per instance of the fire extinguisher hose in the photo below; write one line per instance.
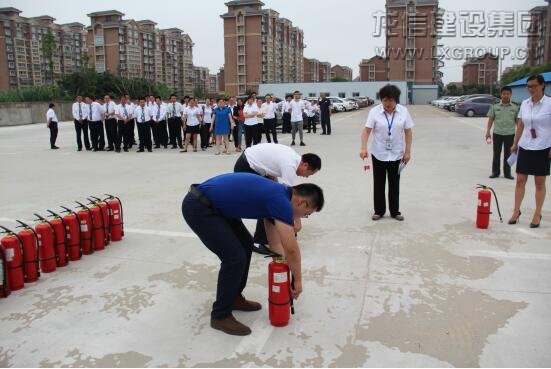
(495, 197)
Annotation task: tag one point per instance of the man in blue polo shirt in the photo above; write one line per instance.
(214, 209)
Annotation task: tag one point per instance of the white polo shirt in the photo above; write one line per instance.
(297, 107)
(274, 160)
(207, 114)
(377, 121)
(536, 116)
(269, 110)
(250, 109)
(193, 114)
(51, 114)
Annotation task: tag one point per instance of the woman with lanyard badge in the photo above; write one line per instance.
(192, 126)
(205, 128)
(532, 144)
(390, 125)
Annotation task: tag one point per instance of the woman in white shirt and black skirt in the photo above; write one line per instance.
(390, 125)
(532, 144)
(51, 123)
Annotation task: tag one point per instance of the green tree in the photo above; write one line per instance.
(199, 92)
(522, 72)
(339, 79)
(49, 46)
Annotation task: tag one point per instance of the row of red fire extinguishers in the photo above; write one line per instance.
(57, 239)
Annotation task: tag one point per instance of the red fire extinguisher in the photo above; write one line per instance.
(72, 228)
(13, 247)
(60, 241)
(280, 299)
(98, 229)
(46, 246)
(104, 217)
(4, 287)
(484, 206)
(29, 237)
(86, 229)
(115, 217)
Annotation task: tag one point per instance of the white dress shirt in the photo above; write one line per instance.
(97, 111)
(123, 112)
(174, 110)
(250, 109)
(110, 110)
(142, 114)
(51, 114)
(158, 112)
(269, 110)
(193, 115)
(297, 107)
(377, 121)
(79, 113)
(536, 116)
(274, 160)
(207, 114)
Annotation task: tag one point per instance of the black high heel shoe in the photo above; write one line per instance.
(533, 225)
(515, 221)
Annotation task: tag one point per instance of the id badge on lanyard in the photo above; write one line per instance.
(388, 141)
(532, 130)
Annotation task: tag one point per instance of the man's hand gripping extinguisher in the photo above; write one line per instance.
(484, 205)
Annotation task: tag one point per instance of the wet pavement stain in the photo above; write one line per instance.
(5, 357)
(352, 355)
(198, 277)
(107, 272)
(248, 359)
(55, 299)
(130, 359)
(452, 325)
(127, 301)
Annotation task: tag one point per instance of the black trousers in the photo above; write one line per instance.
(131, 129)
(160, 135)
(270, 129)
(123, 135)
(175, 130)
(326, 123)
(53, 133)
(251, 135)
(382, 170)
(80, 130)
(286, 123)
(243, 166)
(111, 132)
(144, 133)
(205, 135)
(312, 122)
(505, 141)
(97, 135)
(230, 240)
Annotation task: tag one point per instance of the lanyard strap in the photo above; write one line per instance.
(391, 122)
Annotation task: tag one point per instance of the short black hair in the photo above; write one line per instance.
(311, 191)
(313, 161)
(390, 92)
(141, 98)
(296, 92)
(172, 96)
(506, 88)
(51, 105)
(186, 97)
(251, 96)
(158, 97)
(220, 98)
(537, 77)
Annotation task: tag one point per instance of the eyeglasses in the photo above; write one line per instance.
(532, 86)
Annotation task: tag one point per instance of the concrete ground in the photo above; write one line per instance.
(431, 291)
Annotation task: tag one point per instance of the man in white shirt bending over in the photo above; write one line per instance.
(296, 108)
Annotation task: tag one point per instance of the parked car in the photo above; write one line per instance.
(363, 102)
(340, 104)
(442, 98)
(353, 103)
(450, 104)
(478, 105)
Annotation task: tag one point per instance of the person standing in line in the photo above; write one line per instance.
(284, 107)
(223, 124)
(532, 144)
(269, 109)
(81, 123)
(503, 117)
(95, 118)
(174, 111)
(250, 111)
(132, 123)
(390, 125)
(239, 119)
(110, 114)
(260, 123)
(51, 124)
(143, 119)
(312, 113)
(207, 121)
(192, 124)
(296, 109)
(326, 109)
(232, 103)
(123, 125)
(158, 111)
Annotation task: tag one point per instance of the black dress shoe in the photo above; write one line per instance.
(54, 147)
(534, 225)
(174, 147)
(494, 176)
(141, 150)
(88, 148)
(515, 220)
(509, 177)
(79, 149)
(117, 150)
(149, 150)
(157, 146)
(125, 149)
(109, 149)
(302, 144)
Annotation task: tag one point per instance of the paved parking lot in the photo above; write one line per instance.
(431, 291)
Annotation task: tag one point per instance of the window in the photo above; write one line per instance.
(326, 93)
(342, 95)
(312, 94)
(355, 94)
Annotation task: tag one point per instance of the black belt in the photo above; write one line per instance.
(199, 195)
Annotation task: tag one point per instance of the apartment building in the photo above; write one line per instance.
(481, 71)
(22, 63)
(339, 71)
(374, 69)
(324, 72)
(221, 80)
(311, 70)
(259, 47)
(539, 37)
(201, 79)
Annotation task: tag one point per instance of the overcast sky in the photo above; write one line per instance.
(340, 32)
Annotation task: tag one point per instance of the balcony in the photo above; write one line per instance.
(99, 41)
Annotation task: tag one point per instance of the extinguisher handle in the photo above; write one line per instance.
(53, 213)
(22, 225)
(66, 210)
(5, 230)
(95, 198)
